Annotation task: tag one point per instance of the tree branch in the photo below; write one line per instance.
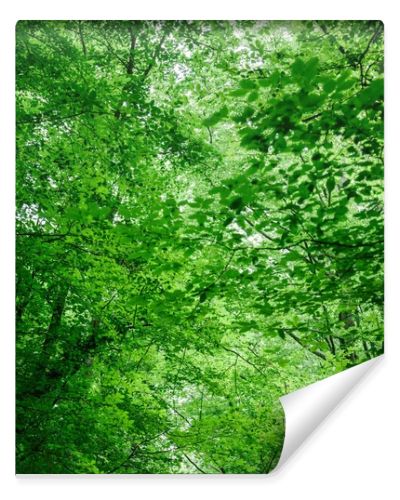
(300, 342)
(155, 56)
(194, 464)
(81, 38)
(131, 60)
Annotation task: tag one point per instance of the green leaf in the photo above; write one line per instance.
(236, 204)
(248, 84)
(253, 96)
(330, 184)
(216, 117)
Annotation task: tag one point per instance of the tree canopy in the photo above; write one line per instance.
(199, 226)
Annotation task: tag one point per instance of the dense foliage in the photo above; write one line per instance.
(199, 221)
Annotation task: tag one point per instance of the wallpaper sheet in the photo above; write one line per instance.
(199, 232)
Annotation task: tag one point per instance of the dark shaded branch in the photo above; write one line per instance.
(110, 48)
(312, 117)
(300, 342)
(131, 60)
(194, 464)
(260, 231)
(81, 38)
(131, 455)
(155, 56)
(202, 44)
(210, 135)
(332, 38)
(372, 40)
(243, 358)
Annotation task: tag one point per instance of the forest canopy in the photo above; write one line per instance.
(199, 231)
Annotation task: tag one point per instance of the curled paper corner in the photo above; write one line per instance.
(306, 408)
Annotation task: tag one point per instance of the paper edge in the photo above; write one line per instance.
(306, 408)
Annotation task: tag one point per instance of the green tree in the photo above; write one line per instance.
(199, 224)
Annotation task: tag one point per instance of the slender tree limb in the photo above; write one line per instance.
(131, 60)
(84, 50)
(155, 56)
(300, 342)
(194, 464)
